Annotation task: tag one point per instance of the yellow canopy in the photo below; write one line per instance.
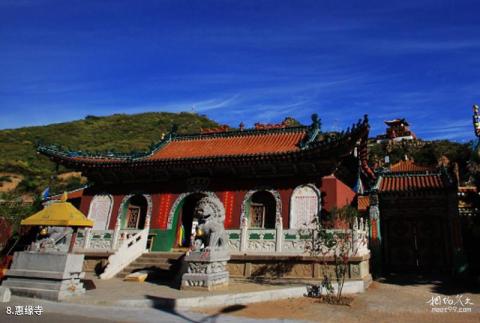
(59, 214)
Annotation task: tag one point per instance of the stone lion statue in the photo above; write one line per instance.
(210, 233)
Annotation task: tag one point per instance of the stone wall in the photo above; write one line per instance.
(95, 263)
(294, 268)
(278, 268)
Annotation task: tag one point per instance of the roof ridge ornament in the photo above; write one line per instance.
(287, 122)
(312, 132)
(476, 120)
(156, 146)
(168, 137)
(218, 129)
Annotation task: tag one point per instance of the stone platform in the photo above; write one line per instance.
(53, 276)
(206, 270)
(161, 294)
(288, 268)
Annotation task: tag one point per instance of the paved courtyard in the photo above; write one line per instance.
(388, 300)
(404, 299)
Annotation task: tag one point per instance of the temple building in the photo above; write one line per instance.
(398, 130)
(272, 181)
(414, 213)
(468, 208)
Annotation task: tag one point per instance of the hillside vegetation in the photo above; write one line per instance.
(425, 153)
(24, 173)
(30, 173)
(119, 132)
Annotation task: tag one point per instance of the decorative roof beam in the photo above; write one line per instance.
(312, 132)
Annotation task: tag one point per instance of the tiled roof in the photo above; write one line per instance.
(251, 144)
(410, 182)
(396, 121)
(467, 189)
(70, 195)
(247, 146)
(363, 203)
(408, 166)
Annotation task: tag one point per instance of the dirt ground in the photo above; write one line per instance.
(7, 186)
(69, 175)
(389, 300)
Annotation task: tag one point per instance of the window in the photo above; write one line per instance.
(133, 217)
(134, 212)
(262, 211)
(257, 212)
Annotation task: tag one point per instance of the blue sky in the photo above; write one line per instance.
(243, 61)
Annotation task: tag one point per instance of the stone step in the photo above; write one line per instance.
(41, 283)
(153, 272)
(134, 266)
(152, 261)
(165, 255)
(54, 295)
(164, 264)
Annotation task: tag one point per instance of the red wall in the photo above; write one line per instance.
(334, 193)
(85, 204)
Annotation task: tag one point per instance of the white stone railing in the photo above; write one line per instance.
(124, 245)
(296, 241)
(293, 241)
(101, 240)
(261, 240)
(234, 239)
(126, 234)
(89, 240)
(132, 247)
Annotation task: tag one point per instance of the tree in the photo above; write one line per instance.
(337, 245)
(13, 209)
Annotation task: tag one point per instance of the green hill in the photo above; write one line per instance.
(425, 153)
(19, 162)
(119, 132)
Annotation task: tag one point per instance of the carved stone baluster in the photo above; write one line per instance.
(116, 235)
(148, 216)
(355, 234)
(146, 229)
(279, 235)
(87, 237)
(244, 234)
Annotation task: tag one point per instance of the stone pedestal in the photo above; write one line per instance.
(206, 270)
(53, 276)
(5, 294)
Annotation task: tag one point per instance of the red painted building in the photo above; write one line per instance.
(418, 214)
(397, 130)
(268, 176)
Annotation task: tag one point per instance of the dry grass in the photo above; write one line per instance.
(11, 184)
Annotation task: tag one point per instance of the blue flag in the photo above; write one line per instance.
(359, 185)
(46, 193)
